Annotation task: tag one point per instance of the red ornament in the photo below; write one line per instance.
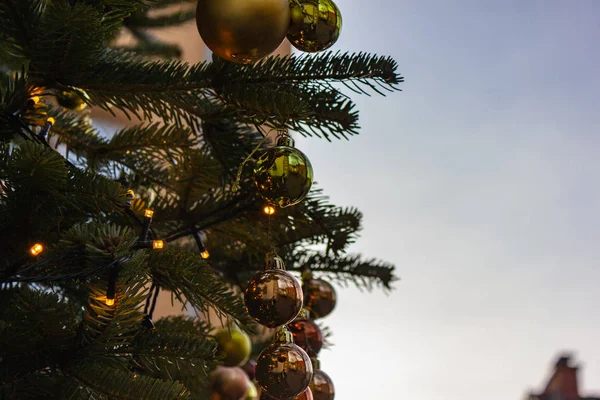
(307, 335)
(250, 369)
(229, 383)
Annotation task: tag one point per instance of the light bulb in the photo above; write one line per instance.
(36, 249)
(269, 210)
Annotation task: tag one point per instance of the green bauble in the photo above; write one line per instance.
(283, 174)
(234, 346)
(315, 25)
(252, 393)
(71, 100)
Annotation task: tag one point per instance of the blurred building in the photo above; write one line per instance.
(563, 384)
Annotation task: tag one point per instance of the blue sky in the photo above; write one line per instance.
(480, 181)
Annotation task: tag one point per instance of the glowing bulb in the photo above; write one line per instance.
(269, 210)
(158, 244)
(148, 213)
(36, 249)
(50, 120)
(110, 302)
(35, 99)
(205, 254)
(130, 192)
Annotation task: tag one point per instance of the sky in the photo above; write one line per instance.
(480, 182)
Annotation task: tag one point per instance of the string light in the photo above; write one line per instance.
(269, 210)
(35, 99)
(111, 291)
(158, 244)
(148, 213)
(36, 249)
(49, 122)
(203, 252)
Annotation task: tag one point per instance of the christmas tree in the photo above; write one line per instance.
(93, 226)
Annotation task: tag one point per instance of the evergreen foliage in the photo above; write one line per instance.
(66, 188)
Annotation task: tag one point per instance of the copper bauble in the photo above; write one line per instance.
(307, 335)
(283, 174)
(283, 370)
(229, 383)
(273, 296)
(321, 386)
(243, 31)
(319, 297)
(315, 25)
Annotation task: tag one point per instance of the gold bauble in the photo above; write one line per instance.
(252, 392)
(233, 346)
(315, 25)
(283, 371)
(243, 31)
(321, 386)
(283, 174)
(319, 297)
(71, 100)
(273, 297)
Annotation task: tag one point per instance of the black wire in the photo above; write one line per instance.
(147, 306)
(154, 299)
(67, 276)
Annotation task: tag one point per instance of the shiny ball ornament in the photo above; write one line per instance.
(273, 296)
(315, 25)
(307, 335)
(71, 100)
(250, 369)
(252, 393)
(319, 297)
(283, 174)
(229, 383)
(242, 31)
(283, 370)
(321, 386)
(234, 346)
(306, 395)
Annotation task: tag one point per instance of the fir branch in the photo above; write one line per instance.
(106, 329)
(365, 274)
(191, 280)
(325, 68)
(118, 384)
(169, 352)
(36, 329)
